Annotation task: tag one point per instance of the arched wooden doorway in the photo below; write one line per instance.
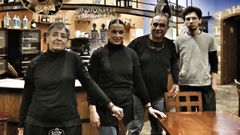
(230, 49)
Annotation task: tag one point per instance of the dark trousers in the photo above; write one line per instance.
(208, 95)
(36, 130)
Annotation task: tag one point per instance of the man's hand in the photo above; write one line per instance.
(175, 90)
(214, 81)
(155, 113)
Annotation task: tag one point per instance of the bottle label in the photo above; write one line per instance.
(25, 24)
(15, 23)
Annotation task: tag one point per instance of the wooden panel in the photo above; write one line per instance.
(82, 104)
(10, 100)
(170, 82)
(83, 110)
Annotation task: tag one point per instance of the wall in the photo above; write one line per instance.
(208, 7)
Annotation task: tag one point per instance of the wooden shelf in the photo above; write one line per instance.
(12, 7)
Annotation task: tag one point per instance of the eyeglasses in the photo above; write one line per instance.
(155, 25)
(56, 34)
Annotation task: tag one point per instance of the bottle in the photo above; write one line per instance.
(129, 3)
(18, 22)
(118, 3)
(25, 22)
(15, 21)
(122, 4)
(7, 21)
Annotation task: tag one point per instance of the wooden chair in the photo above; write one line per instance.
(121, 127)
(184, 101)
(3, 123)
(238, 89)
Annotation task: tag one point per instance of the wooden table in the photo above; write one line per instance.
(201, 123)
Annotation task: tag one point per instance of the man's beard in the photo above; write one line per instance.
(192, 28)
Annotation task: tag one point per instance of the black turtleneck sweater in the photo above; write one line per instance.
(49, 92)
(116, 70)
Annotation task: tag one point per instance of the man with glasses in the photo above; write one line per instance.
(198, 59)
(157, 57)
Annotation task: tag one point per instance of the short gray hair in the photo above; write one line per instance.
(161, 14)
(58, 25)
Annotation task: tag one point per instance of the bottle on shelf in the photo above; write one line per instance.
(25, 22)
(18, 22)
(122, 3)
(129, 3)
(117, 3)
(15, 21)
(7, 21)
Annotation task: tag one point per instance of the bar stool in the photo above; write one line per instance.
(3, 123)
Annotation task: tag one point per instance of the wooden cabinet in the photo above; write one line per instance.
(11, 97)
(3, 51)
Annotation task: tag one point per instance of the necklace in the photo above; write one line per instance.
(156, 47)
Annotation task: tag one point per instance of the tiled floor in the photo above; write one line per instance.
(227, 100)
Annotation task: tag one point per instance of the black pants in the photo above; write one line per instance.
(208, 95)
(36, 130)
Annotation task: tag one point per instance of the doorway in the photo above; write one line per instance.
(230, 50)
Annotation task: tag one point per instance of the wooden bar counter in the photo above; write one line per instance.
(10, 99)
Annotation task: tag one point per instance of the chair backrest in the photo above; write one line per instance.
(238, 90)
(184, 101)
(3, 123)
(121, 127)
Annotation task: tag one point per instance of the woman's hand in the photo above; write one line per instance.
(118, 112)
(94, 117)
(155, 113)
(20, 131)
